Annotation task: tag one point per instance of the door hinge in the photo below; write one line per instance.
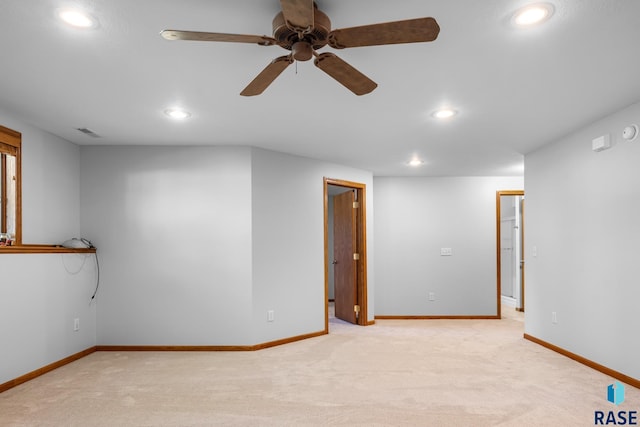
(356, 257)
(356, 205)
(356, 309)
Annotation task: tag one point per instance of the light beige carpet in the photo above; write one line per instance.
(395, 373)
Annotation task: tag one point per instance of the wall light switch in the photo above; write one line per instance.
(432, 296)
(446, 252)
(270, 316)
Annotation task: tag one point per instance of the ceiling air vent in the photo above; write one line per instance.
(88, 132)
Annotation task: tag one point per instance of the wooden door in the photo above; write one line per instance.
(344, 247)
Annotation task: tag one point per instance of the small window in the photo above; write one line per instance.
(10, 187)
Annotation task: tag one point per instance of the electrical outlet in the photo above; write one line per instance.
(76, 324)
(270, 316)
(432, 296)
(554, 317)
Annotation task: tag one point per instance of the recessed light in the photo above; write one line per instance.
(533, 14)
(444, 113)
(77, 18)
(415, 162)
(177, 113)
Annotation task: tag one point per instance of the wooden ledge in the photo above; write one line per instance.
(44, 249)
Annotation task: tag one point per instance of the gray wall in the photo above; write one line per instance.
(180, 232)
(288, 242)
(50, 184)
(40, 295)
(415, 217)
(582, 218)
(198, 243)
(173, 226)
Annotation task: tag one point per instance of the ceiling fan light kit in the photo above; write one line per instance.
(303, 29)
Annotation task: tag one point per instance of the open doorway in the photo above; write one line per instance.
(345, 251)
(510, 249)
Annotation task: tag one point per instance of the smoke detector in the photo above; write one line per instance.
(630, 133)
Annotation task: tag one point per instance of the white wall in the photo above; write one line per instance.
(417, 216)
(173, 227)
(50, 184)
(582, 217)
(39, 294)
(288, 242)
(198, 243)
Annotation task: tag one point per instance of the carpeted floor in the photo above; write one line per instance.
(395, 373)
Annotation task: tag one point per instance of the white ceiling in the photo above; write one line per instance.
(515, 89)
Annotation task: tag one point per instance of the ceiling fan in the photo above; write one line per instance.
(303, 29)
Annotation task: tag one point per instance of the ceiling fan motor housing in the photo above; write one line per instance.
(317, 37)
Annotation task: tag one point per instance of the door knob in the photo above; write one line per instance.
(334, 262)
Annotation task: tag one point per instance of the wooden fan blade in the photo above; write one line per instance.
(298, 14)
(345, 74)
(216, 37)
(410, 31)
(267, 76)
